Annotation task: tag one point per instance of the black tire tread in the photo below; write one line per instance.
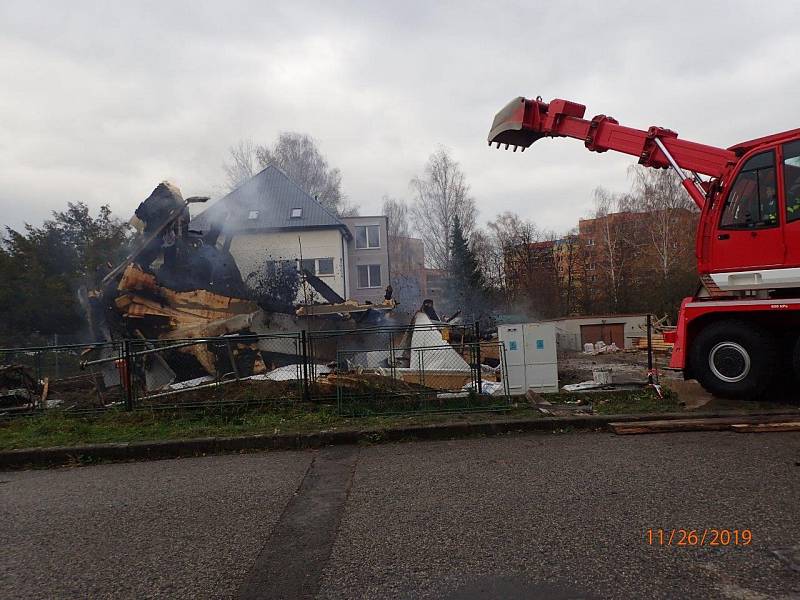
(760, 343)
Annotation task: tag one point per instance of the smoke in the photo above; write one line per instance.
(275, 285)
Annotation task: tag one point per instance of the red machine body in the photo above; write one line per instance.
(748, 238)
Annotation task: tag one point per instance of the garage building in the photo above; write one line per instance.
(573, 332)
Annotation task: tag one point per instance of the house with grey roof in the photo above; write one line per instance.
(270, 218)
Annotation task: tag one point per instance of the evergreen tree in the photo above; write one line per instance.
(467, 285)
(42, 267)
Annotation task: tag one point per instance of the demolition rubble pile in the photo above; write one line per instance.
(176, 285)
(180, 285)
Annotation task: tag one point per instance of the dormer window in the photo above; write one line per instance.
(253, 215)
(297, 213)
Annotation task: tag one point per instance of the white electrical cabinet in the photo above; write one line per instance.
(531, 361)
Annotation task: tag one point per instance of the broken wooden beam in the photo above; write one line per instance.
(350, 306)
(684, 425)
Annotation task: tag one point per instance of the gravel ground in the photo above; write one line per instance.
(186, 528)
(552, 516)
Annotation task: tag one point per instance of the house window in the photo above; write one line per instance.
(317, 266)
(308, 264)
(369, 276)
(253, 215)
(324, 266)
(368, 236)
(297, 213)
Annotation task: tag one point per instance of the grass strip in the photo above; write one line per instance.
(57, 428)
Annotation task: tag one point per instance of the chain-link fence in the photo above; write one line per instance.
(419, 379)
(365, 371)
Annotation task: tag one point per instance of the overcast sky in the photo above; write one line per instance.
(102, 100)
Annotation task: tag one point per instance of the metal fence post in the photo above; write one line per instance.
(38, 363)
(391, 355)
(304, 350)
(478, 356)
(128, 375)
(649, 348)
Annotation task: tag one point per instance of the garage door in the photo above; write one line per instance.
(605, 332)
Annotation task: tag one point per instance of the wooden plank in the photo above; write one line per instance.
(45, 390)
(766, 427)
(488, 350)
(438, 380)
(678, 425)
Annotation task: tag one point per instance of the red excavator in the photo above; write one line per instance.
(742, 327)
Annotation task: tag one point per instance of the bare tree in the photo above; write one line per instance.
(571, 272)
(490, 258)
(442, 194)
(243, 164)
(527, 260)
(401, 252)
(671, 216)
(668, 233)
(396, 212)
(297, 155)
(616, 238)
(511, 237)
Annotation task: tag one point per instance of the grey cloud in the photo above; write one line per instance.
(103, 100)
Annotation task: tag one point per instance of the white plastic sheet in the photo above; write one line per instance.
(430, 351)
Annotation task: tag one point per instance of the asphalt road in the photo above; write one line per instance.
(535, 516)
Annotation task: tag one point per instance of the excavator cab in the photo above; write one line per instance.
(755, 243)
(748, 232)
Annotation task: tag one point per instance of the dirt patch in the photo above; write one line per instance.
(626, 367)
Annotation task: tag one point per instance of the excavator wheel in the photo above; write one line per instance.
(735, 359)
(796, 361)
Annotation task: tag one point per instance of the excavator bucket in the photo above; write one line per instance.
(524, 121)
(509, 128)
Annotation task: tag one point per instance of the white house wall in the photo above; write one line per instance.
(251, 250)
(368, 256)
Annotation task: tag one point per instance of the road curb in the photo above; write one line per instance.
(156, 450)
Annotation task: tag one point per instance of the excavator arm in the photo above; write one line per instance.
(524, 121)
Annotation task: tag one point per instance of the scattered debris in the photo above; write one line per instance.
(602, 375)
(489, 388)
(565, 409)
(190, 383)
(292, 373)
(600, 347)
(18, 388)
(584, 386)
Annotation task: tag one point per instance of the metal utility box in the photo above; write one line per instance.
(530, 357)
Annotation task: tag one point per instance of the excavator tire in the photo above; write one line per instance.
(796, 361)
(735, 359)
